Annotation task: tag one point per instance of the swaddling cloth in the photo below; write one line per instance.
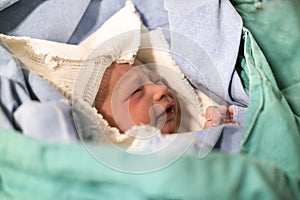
(77, 70)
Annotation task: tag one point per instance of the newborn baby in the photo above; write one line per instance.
(134, 95)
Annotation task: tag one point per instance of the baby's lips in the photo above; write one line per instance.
(165, 110)
(169, 105)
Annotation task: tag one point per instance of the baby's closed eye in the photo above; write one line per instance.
(138, 90)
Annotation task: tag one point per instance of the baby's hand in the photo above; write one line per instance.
(217, 115)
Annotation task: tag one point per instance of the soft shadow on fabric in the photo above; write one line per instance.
(12, 16)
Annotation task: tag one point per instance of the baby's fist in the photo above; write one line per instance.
(217, 115)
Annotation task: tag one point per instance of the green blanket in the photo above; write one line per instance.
(267, 167)
(273, 117)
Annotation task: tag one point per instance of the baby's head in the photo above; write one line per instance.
(134, 95)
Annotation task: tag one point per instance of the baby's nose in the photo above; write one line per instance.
(159, 91)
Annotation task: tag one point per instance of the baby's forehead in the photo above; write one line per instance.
(131, 72)
(117, 71)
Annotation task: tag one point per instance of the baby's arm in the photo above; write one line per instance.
(217, 115)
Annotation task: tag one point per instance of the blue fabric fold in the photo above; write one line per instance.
(6, 3)
(205, 39)
(152, 14)
(30, 105)
(53, 20)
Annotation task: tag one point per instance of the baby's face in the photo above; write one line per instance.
(135, 96)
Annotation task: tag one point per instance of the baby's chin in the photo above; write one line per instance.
(169, 127)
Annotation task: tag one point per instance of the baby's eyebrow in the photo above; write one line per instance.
(137, 78)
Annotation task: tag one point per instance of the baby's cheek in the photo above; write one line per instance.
(139, 112)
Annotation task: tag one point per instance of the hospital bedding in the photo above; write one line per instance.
(267, 165)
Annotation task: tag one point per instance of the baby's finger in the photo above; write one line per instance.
(231, 109)
(209, 112)
(207, 125)
(217, 119)
(229, 115)
(222, 110)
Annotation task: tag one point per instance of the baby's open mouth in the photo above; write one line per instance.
(170, 110)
